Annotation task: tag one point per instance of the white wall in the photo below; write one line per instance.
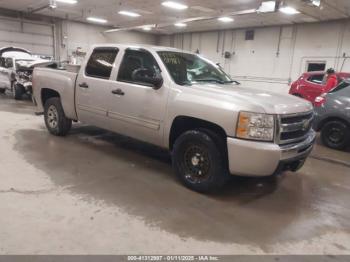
(61, 38)
(257, 64)
(72, 35)
(34, 36)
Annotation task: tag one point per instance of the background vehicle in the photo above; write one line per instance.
(16, 69)
(332, 116)
(310, 85)
(8, 56)
(185, 103)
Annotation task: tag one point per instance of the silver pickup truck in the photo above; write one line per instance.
(180, 101)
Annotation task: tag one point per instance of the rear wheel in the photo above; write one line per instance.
(18, 91)
(2, 90)
(56, 121)
(200, 161)
(336, 134)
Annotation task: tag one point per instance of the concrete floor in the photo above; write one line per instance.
(95, 192)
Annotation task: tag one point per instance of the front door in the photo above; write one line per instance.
(2, 72)
(314, 87)
(135, 108)
(6, 69)
(93, 87)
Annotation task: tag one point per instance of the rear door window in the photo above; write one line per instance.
(101, 62)
(316, 79)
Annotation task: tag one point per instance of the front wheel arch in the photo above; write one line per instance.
(330, 119)
(181, 124)
(335, 134)
(298, 95)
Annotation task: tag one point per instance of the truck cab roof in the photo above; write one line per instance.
(142, 46)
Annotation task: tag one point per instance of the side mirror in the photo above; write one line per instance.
(147, 76)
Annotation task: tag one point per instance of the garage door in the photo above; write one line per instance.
(37, 38)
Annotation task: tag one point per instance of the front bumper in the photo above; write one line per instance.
(252, 158)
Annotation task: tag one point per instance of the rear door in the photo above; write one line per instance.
(93, 86)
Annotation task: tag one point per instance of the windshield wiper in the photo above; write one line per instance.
(232, 81)
(217, 81)
(184, 83)
(209, 80)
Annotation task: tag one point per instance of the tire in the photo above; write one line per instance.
(18, 92)
(298, 95)
(2, 90)
(56, 121)
(200, 161)
(335, 134)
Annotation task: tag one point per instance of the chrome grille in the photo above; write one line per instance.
(294, 128)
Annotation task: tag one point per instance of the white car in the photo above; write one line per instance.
(16, 69)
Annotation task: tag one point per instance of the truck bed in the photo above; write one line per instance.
(61, 81)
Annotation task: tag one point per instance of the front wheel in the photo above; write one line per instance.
(199, 161)
(18, 91)
(336, 135)
(56, 121)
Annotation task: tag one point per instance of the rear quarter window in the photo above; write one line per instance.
(316, 79)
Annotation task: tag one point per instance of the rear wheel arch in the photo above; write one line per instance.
(47, 93)
(330, 119)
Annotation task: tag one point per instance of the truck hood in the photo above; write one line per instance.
(12, 49)
(268, 102)
(33, 63)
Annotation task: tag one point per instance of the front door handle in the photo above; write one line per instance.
(84, 85)
(118, 92)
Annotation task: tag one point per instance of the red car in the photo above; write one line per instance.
(310, 85)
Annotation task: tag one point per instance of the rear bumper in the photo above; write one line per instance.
(251, 158)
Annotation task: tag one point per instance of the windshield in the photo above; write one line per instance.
(186, 69)
(17, 55)
(341, 86)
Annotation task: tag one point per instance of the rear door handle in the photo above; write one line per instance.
(118, 92)
(84, 85)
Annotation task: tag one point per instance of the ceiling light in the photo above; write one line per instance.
(180, 25)
(226, 19)
(268, 6)
(147, 28)
(316, 2)
(72, 2)
(289, 10)
(53, 4)
(175, 5)
(128, 13)
(97, 20)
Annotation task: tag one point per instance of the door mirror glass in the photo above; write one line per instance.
(145, 75)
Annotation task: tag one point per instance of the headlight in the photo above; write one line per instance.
(256, 126)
